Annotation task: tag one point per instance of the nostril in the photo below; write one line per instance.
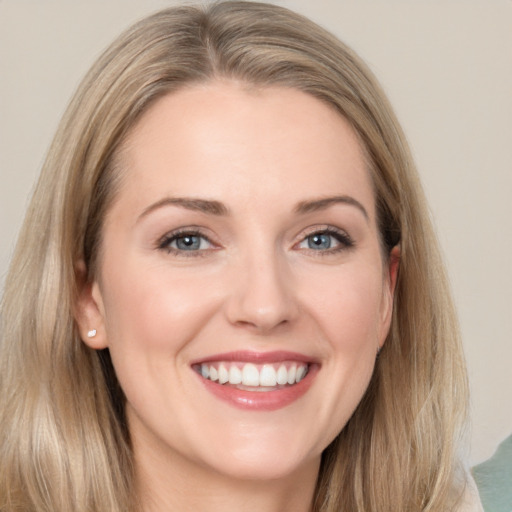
(261, 324)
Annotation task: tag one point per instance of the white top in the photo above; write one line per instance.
(471, 500)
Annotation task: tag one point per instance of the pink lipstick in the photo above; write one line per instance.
(257, 380)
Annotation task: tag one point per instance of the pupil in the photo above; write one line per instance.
(188, 242)
(320, 242)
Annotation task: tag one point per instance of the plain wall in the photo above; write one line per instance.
(447, 67)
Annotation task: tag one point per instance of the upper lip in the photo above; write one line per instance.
(248, 356)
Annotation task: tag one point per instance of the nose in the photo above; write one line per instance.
(262, 297)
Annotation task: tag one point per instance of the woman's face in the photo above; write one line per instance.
(242, 291)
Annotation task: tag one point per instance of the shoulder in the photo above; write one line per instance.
(470, 501)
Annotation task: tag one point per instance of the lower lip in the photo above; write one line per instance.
(261, 400)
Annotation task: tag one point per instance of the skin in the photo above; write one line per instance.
(255, 284)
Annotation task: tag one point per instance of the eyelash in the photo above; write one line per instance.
(165, 242)
(344, 242)
(342, 238)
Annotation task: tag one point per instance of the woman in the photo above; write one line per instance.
(227, 293)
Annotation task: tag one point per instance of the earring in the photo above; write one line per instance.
(91, 333)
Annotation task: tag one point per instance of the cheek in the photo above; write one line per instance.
(347, 306)
(347, 315)
(151, 319)
(154, 311)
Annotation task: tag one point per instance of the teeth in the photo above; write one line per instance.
(282, 375)
(223, 374)
(268, 376)
(292, 372)
(249, 374)
(235, 375)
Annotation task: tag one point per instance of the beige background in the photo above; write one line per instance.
(447, 66)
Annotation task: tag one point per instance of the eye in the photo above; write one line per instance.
(185, 241)
(326, 240)
(320, 241)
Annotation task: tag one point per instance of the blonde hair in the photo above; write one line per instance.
(64, 444)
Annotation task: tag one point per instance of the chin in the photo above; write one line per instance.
(265, 458)
(266, 468)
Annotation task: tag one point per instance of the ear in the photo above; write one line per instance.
(390, 279)
(89, 310)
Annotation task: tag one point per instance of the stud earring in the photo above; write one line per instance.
(91, 333)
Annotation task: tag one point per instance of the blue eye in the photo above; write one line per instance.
(185, 242)
(320, 241)
(327, 240)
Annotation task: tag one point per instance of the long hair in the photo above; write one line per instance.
(64, 443)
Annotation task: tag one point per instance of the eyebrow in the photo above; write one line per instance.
(217, 208)
(198, 205)
(325, 202)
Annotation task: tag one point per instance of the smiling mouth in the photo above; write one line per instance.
(253, 377)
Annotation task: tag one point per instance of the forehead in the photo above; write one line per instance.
(221, 139)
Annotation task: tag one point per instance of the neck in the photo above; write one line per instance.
(176, 484)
